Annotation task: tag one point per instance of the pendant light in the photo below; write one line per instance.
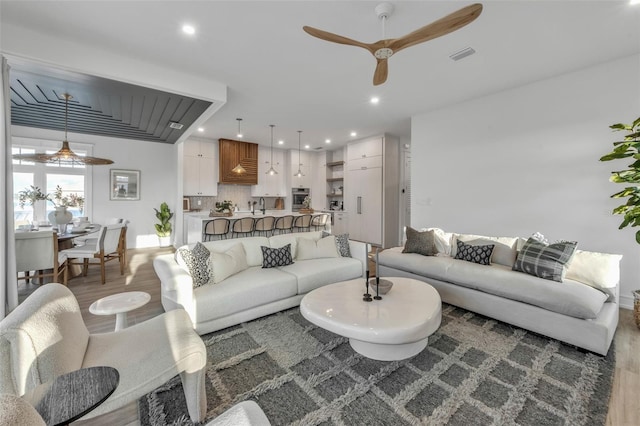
(239, 132)
(299, 172)
(64, 157)
(271, 170)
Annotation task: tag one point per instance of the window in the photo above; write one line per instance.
(46, 176)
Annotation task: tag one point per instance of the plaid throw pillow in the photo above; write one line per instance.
(198, 260)
(480, 254)
(272, 257)
(548, 261)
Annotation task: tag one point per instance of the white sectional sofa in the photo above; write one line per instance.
(582, 310)
(254, 291)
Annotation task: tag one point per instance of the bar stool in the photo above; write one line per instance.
(216, 228)
(320, 221)
(264, 224)
(242, 227)
(303, 223)
(284, 224)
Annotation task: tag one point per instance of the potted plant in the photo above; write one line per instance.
(163, 229)
(61, 216)
(31, 195)
(306, 205)
(628, 147)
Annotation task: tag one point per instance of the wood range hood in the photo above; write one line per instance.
(233, 153)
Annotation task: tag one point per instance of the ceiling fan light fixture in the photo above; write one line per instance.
(271, 170)
(65, 156)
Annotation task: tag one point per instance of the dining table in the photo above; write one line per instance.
(65, 240)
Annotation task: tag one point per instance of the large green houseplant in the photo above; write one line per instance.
(163, 229)
(628, 147)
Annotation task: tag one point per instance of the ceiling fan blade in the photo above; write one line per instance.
(442, 26)
(335, 38)
(380, 74)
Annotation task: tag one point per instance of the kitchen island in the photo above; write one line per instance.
(197, 221)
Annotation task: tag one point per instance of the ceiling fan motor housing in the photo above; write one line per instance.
(384, 10)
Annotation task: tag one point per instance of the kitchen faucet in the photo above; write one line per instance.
(262, 205)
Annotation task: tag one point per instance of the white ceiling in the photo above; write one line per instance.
(278, 74)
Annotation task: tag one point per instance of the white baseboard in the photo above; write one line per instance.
(626, 302)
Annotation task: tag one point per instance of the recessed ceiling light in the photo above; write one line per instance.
(280, 142)
(306, 146)
(375, 100)
(327, 141)
(188, 29)
(201, 129)
(354, 134)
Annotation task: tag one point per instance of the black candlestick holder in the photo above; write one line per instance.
(377, 296)
(367, 297)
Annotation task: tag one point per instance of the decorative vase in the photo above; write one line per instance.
(165, 241)
(60, 217)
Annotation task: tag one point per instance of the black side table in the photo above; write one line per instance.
(70, 396)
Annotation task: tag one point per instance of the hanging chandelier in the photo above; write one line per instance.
(64, 157)
(299, 172)
(271, 170)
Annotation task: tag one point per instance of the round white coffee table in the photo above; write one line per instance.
(394, 328)
(119, 304)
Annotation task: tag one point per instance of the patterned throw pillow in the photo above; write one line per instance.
(342, 243)
(199, 264)
(272, 257)
(548, 261)
(423, 243)
(476, 254)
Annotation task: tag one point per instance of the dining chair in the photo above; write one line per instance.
(319, 222)
(38, 251)
(302, 223)
(81, 240)
(264, 225)
(108, 246)
(216, 228)
(284, 224)
(242, 227)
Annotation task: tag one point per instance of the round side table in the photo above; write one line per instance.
(119, 304)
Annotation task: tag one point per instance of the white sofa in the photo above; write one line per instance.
(582, 310)
(254, 292)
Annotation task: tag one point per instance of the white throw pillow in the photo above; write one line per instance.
(443, 240)
(230, 262)
(310, 249)
(599, 270)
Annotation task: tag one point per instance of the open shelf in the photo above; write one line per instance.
(336, 179)
(335, 163)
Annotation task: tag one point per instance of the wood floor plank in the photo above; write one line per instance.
(624, 405)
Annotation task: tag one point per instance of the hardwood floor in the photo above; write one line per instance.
(624, 405)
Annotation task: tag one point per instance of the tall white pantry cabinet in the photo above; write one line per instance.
(372, 190)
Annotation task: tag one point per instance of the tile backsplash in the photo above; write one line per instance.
(238, 194)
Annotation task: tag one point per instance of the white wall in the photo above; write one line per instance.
(159, 181)
(526, 160)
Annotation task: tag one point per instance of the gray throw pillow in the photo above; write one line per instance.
(198, 260)
(423, 243)
(342, 243)
(548, 261)
(480, 254)
(272, 257)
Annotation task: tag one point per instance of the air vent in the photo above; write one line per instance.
(467, 51)
(318, 148)
(175, 125)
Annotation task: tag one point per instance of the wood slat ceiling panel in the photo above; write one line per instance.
(99, 106)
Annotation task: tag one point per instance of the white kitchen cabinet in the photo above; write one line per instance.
(371, 193)
(340, 223)
(306, 167)
(270, 185)
(200, 168)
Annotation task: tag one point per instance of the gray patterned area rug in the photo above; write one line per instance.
(474, 371)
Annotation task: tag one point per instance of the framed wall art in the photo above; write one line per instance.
(124, 185)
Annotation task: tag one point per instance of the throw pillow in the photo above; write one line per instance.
(230, 262)
(199, 264)
(323, 248)
(480, 254)
(599, 270)
(420, 242)
(342, 243)
(548, 261)
(272, 257)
